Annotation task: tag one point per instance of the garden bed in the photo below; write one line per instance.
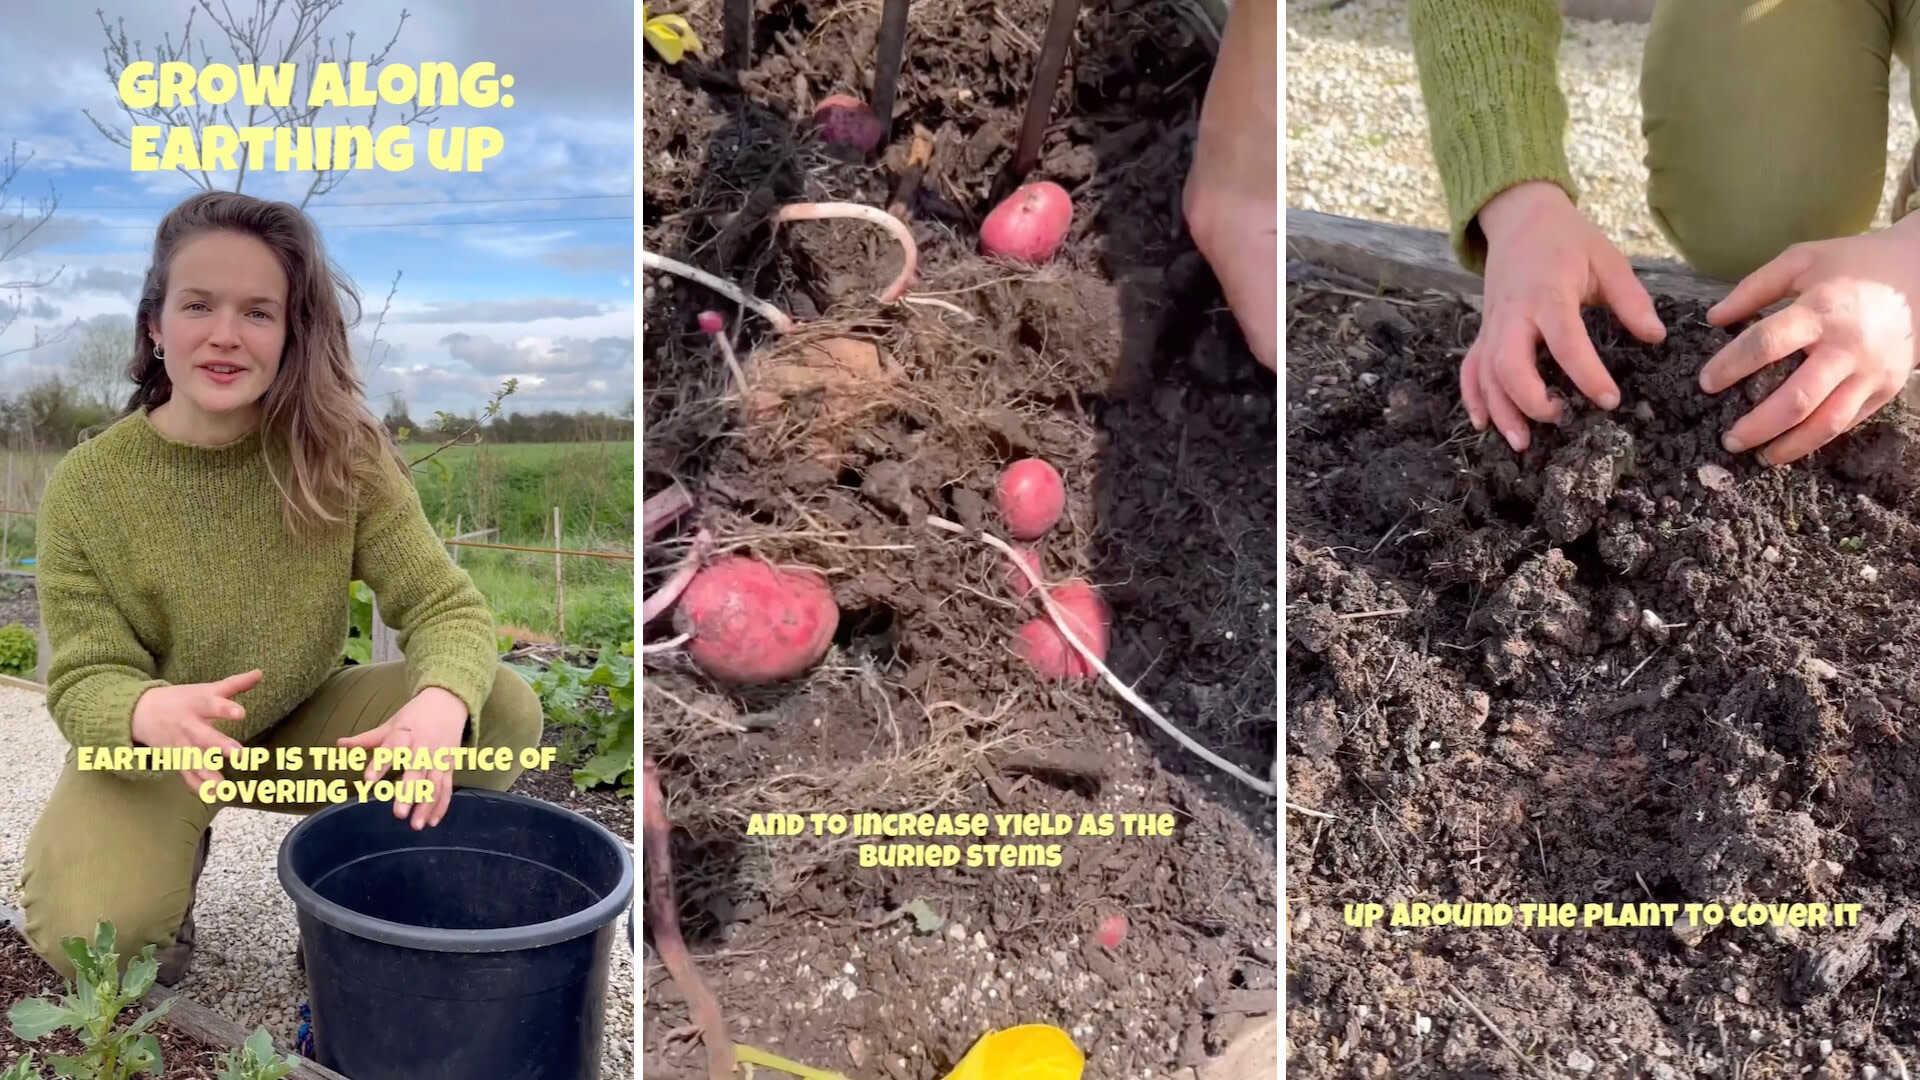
(1117, 363)
(1624, 667)
(24, 975)
(18, 604)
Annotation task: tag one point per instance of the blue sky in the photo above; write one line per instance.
(524, 269)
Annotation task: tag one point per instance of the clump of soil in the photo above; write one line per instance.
(1119, 364)
(1622, 667)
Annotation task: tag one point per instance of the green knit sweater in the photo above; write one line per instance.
(162, 562)
(1489, 76)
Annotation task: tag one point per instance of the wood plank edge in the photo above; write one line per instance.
(218, 1031)
(1402, 256)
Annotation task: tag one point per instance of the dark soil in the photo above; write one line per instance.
(1623, 667)
(603, 804)
(1120, 365)
(24, 975)
(18, 603)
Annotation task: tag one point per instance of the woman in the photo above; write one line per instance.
(1766, 128)
(193, 574)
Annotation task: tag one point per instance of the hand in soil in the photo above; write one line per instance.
(1544, 263)
(433, 721)
(184, 716)
(1854, 317)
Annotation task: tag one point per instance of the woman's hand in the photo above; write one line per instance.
(434, 720)
(1228, 199)
(1544, 263)
(1855, 317)
(183, 716)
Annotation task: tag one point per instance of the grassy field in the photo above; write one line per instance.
(515, 488)
(510, 488)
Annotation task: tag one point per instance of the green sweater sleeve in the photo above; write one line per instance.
(1489, 77)
(442, 621)
(97, 669)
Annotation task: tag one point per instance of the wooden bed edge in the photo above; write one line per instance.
(1404, 257)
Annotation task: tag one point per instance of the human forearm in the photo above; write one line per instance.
(444, 625)
(1230, 202)
(1489, 76)
(97, 669)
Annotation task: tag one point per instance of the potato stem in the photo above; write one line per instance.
(910, 263)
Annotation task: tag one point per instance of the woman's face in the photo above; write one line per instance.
(222, 325)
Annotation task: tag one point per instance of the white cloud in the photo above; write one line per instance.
(494, 311)
(532, 354)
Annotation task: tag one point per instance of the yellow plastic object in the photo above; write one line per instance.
(670, 35)
(1028, 1052)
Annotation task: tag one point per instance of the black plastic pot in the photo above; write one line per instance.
(474, 950)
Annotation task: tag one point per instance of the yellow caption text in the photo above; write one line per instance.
(1601, 916)
(931, 830)
(306, 790)
(293, 148)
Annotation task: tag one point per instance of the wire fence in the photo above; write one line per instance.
(458, 541)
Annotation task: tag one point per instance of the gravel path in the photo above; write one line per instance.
(1357, 141)
(243, 963)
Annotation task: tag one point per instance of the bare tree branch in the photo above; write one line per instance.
(17, 226)
(373, 346)
(20, 221)
(256, 40)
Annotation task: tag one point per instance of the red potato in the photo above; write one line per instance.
(1018, 581)
(1045, 649)
(754, 624)
(1111, 932)
(1030, 496)
(1029, 226)
(847, 121)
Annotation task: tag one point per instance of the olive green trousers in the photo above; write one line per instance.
(108, 847)
(1766, 122)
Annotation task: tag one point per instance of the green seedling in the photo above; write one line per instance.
(255, 1060)
(92, 1005)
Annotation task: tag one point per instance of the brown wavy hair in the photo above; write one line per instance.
(320, 438)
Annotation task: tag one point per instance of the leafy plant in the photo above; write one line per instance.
(671, 36)
(254, 1060)
(19, 651)
(359, 624)
(90, 1008)
(612, 762)
(599, 731)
